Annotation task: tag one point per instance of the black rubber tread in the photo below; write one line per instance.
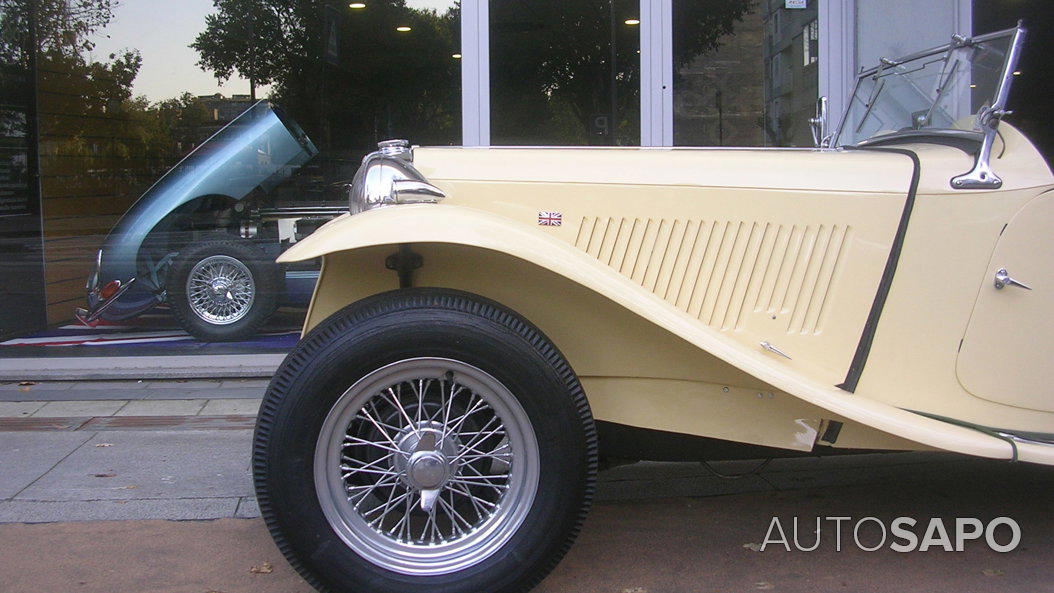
(266, 275)
(344, 321)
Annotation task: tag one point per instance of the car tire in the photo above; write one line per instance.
(457, 348)
(222, 290)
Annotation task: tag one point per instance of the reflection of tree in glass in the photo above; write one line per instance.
(99, 144)
(347, 76)
(550, 64)
(63, 26)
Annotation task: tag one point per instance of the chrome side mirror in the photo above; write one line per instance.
(818, 124)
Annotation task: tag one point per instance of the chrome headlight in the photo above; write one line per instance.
(388, 177)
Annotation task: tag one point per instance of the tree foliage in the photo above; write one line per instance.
(347, 76)
(551, 60)
(550, 64)
(64, 27)
(260, 41)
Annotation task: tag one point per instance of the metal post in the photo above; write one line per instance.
(613, 122)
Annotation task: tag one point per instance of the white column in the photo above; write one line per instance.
(656, 72)
(837, 22)
(964, 18)
(475, 73)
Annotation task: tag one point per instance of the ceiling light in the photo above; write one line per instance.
(1017, 73)
(456, 56)
(403, 29)
(357, 5)
(632, 22)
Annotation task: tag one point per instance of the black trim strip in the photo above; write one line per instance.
(863, 348)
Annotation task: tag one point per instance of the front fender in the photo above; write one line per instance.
(449, 224)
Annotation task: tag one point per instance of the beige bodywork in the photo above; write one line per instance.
(671, 267)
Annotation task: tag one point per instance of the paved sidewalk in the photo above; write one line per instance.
(163, 473)
(82, 451)
(672, 545)
(90, 487)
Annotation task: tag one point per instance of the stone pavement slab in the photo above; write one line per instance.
(19, 409)
(69, 409)
(224, 407)
(25, 457)
(79, 368)
(172, 407)
(131, 465)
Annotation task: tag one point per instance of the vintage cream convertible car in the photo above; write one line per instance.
(490, 323)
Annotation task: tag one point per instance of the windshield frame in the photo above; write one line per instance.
(996, 108)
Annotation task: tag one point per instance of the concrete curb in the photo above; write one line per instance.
(61, 368)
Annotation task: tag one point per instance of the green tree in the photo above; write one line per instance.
(551, 62)
(259, 40)
(63, 27)
(348, 77)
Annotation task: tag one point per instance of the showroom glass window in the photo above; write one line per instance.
(121, 92)
(745, 72)
(565, 72)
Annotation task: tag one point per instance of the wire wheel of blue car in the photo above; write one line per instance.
(424, 439)
(222, 290)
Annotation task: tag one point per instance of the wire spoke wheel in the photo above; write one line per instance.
(220, 289)
(426, 466)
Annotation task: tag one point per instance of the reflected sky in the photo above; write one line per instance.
(162, 32)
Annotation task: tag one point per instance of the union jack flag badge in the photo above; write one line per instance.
(547, 218)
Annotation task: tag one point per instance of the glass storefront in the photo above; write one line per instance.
(21, 256)
(746, 74)
(565, 72)
(164, 196)
(103, 120)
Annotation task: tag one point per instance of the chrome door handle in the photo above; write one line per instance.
(1003, 279)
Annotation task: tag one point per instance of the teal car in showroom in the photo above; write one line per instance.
(204, 237)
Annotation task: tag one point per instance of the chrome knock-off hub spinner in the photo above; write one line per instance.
(428, 457)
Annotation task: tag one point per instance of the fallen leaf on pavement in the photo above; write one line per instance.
(635, 590)
(104, 444)
(27, 383)
(109, 475)
(992, 572)
(764, 586)
(752, 546)
(264, 568)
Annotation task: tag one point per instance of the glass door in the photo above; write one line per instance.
(745, 73)
(564, 72)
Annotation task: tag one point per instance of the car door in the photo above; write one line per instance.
(1005, 354)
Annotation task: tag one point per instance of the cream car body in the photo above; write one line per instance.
(738, 293)
(491, 323)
